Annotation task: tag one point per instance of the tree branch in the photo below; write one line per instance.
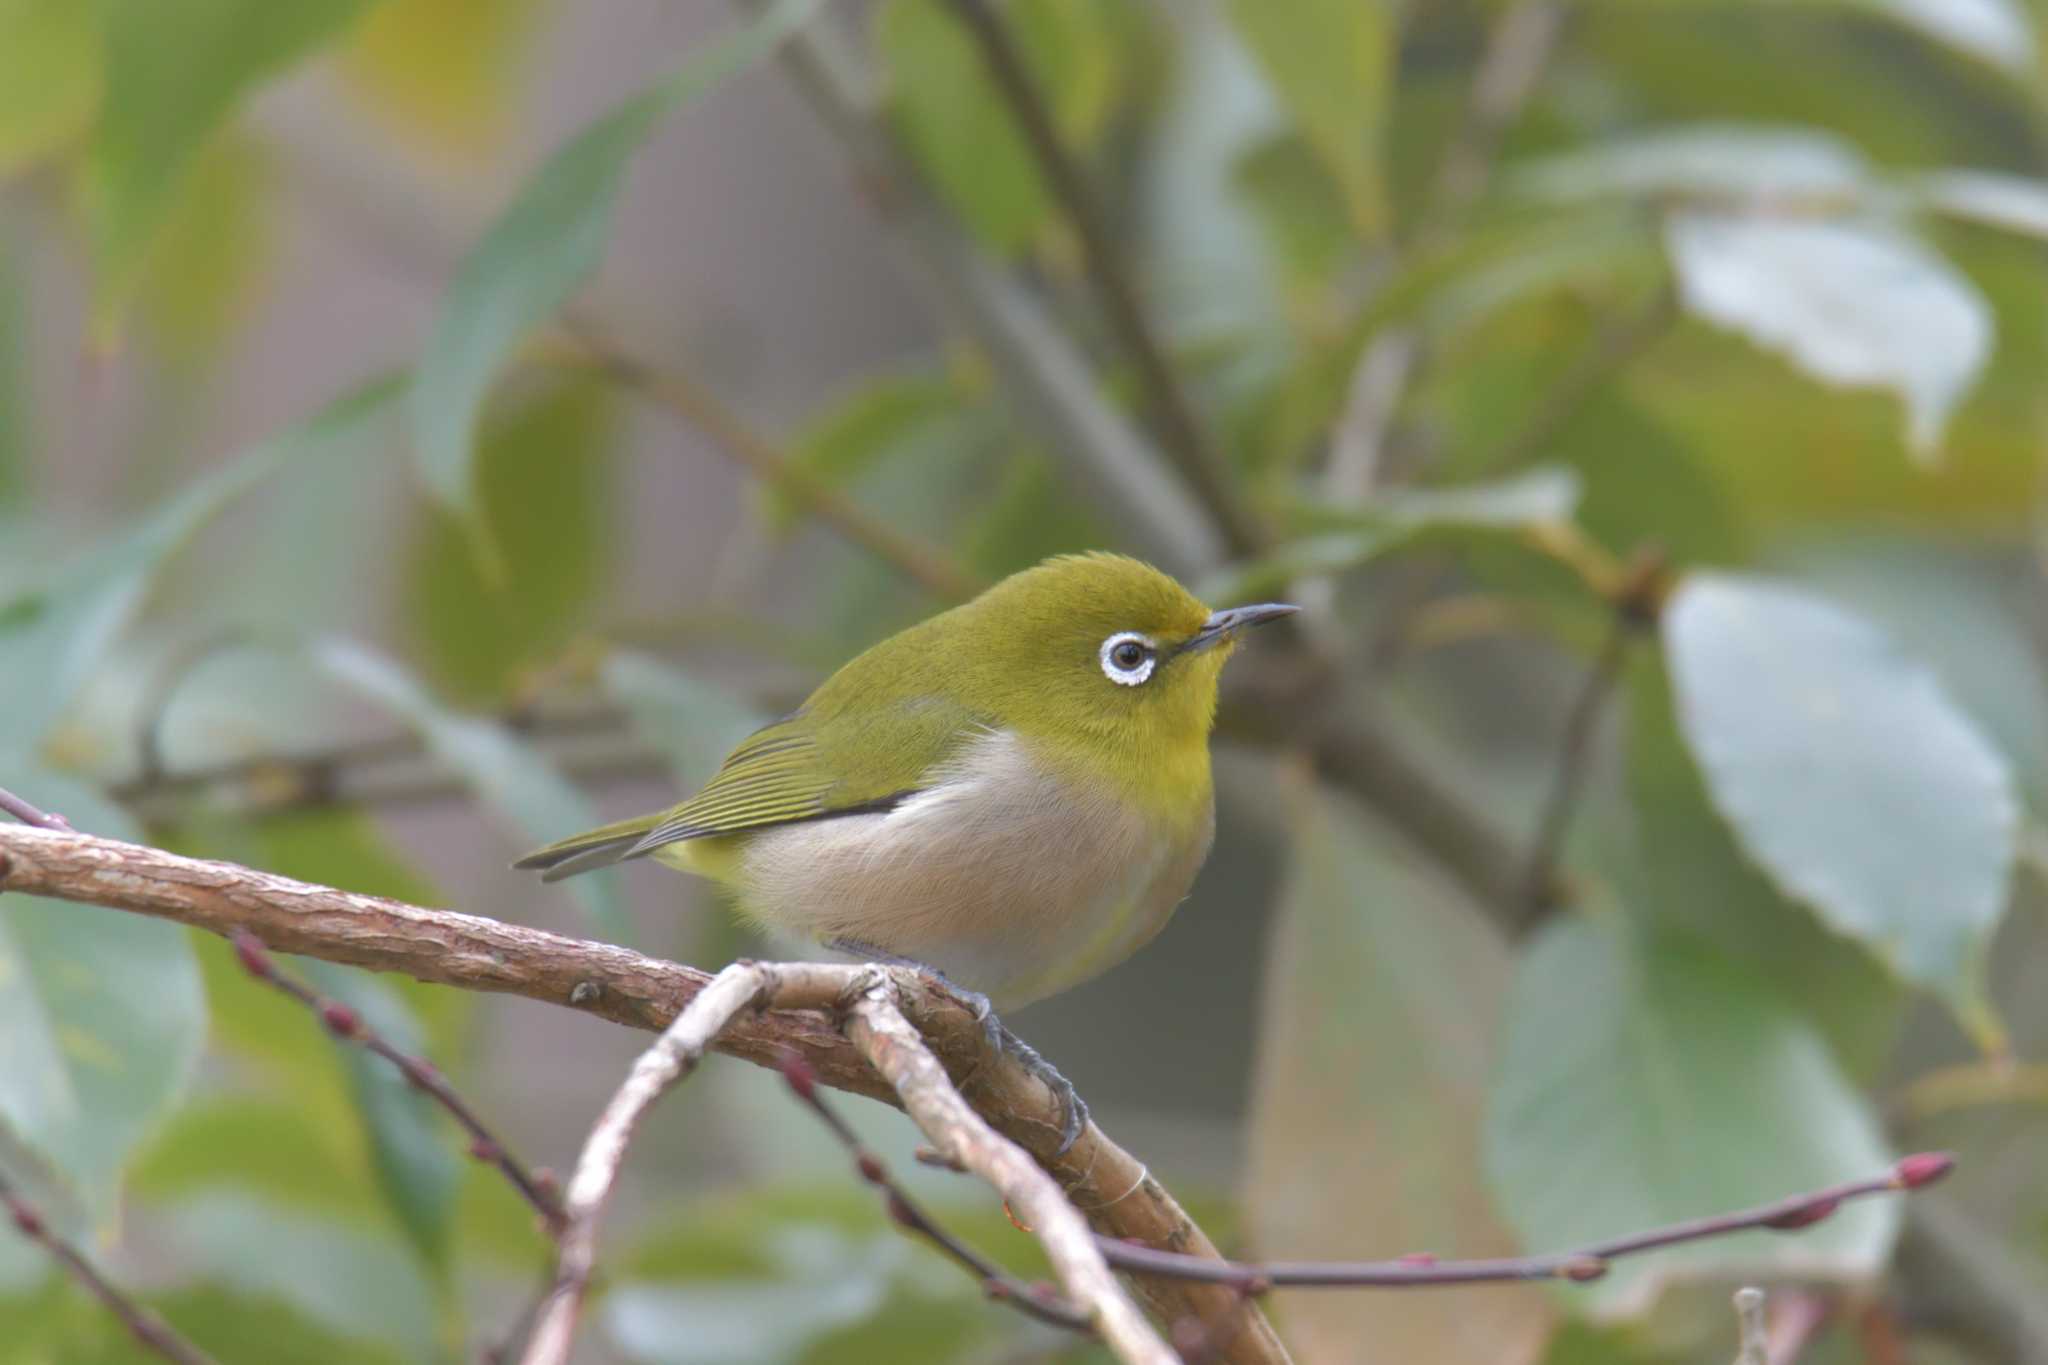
(1113, 1189)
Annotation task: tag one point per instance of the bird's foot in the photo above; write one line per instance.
(1073, 1109)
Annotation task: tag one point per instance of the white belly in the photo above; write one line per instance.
(1007, 880)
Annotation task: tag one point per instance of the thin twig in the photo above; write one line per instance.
(148, 1329)
(876, 1024)
(348, 1024)
(1588, 1263)
(1753, 1345)
(1040, 1301)
(680, 394)
(1186, 440)
(1518, 49)
(673, 1056)
(29, 814)
(1539, 893)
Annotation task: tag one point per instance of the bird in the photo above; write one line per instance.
(1012, 795)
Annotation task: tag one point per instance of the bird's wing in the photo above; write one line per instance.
(795, 769)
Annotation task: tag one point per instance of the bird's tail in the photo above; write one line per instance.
(589, 850)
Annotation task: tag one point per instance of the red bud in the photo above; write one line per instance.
(904, 1215)
(1419, 1258)
(995, 1288)
(28, 1220)
(341, 1021)
(255, 957)
(1922, 1168)
(797, 1072)
(1805, 1216)
(871, 1169)
(1583, 1268)
(483, 1149)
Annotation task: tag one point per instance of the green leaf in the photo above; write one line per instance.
(547, 239)
(960, 128)
(102, 1018)
(885, 418)
(1685, 871)
(2012, 202)
(411, 1139)
(543, 466)
(506, 773)
(1648, 1080)
(346, 1279)
(1710, 161)
(51, 640)
(202, 266)
(64, 1325)
(1516, 503)
(1382, 996)
(1999, 32)
(694, 724)
(1331, 62)
(1854, 304)
(174, 73)
(49, 78)
(1848, 775)
(451, 71)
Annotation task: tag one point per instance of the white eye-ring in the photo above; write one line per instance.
(1128, 658)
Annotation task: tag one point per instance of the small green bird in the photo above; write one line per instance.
(1013, 794)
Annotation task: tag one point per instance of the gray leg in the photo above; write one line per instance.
(1073, 1109)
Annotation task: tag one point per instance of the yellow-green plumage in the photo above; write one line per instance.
(980, 792)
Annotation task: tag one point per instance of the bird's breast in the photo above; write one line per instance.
(1004, 874)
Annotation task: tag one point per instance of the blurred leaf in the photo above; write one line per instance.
(275, 1149)
(1996, 31)
(541, 246)
(884, 418)
(1731, 161)
(1301, 209)
(49, 78)
(201, 266)
(345, 1279)
(1848, 775)
(174, 73)
(506, 773)
(694, 724)
(2012, 202)
(1382, 998)
(51, 640)
(778, 1289)
(102, 1017)
(1962, 610)
(959, 126)
(1331, 63)
(1688, 872)
(1645, 485)
(1648, 1080)
(543, 472)
(1531, 498)
(68, 1326)
(1032, 515)
(411, 1139)
(446, 69)
(1853, 304)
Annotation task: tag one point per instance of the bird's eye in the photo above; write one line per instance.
(1128, 658)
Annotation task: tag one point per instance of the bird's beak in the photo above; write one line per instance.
(1225, 625)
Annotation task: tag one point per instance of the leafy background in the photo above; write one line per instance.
(400, 375)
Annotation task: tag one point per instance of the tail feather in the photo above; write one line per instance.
(590, 850)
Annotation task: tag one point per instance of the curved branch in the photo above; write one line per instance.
(1111, 1187)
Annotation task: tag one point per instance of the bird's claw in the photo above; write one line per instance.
(1002, 1042)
